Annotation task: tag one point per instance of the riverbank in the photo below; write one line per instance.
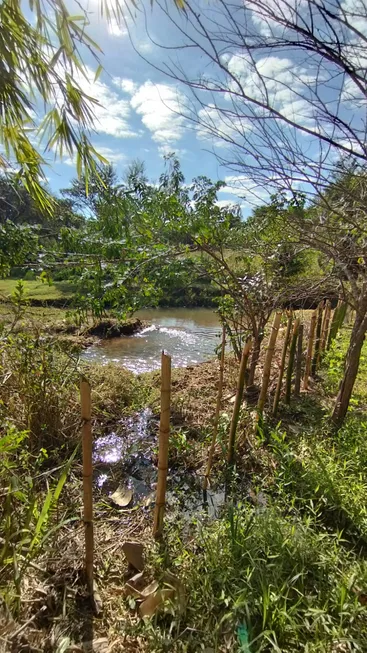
(60, 323)
(270, 562)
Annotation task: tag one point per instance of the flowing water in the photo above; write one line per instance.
(126, 456)
(190, 335)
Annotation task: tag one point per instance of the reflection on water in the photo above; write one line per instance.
(132, 438)
(190, 335)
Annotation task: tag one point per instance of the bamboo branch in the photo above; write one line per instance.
(315, 360)
(337, 321)
(268, 360)
(217, 410)
(292, 351)
(309, 350)
(85, 400)
(325, 329)
(297, 381)
(163, 445)
(282, 365)
(237, 405)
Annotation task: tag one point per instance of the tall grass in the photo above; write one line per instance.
(29, 500)
(291, 584)
(291, 572)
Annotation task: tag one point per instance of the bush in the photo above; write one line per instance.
(30, 275)
(38, 390)
(26, 512)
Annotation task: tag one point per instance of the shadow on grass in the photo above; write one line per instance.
(321, 472)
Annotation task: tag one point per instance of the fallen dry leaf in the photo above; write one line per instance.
(122, 497)
(134, 554)
(150, 589)
(155, 601)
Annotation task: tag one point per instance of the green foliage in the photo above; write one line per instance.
(41, 62)
(37, 380)
(324, 476)
(27, 512)
(293, 585)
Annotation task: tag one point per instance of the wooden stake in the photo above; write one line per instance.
(282, 365)
(85, 400)
(217, 411)
(337, 321)
(297, 382)
(292, 351)
(163, 445)
(315, 360)
(237, 404)
(309, 350)
(268, 360)
(325, 329)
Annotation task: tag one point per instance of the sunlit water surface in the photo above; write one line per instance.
(189, 335)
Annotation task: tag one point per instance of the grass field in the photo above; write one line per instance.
(37, 289)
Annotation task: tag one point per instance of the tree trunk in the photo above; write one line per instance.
(351, 368)
(254, 360)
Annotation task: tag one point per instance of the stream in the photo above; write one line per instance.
(190, 335)
(126, 458)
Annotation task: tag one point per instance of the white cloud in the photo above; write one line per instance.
(116, 28)
(223, 204)
(219, 127)
(159, 108)
(112, 113)
(286, 10)
(245, 188)
(112, 156)
(126, 85)
(275, 81)
(356, 14)
(145, 47)
(111, 17)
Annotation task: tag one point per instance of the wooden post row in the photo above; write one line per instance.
(267, 363)
(292, 351)
(336, 322)
(325, 329)
(85, 400)
(309, 350)
(282, 365)
(163, 444)
(297, 382)
(316, 357)
(217, 410)
(237, 404)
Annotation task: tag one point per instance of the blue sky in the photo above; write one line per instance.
(134, 120)
(139, 113)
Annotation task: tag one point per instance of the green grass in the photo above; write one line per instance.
(292, 572)
(37, 290)
(289, 582)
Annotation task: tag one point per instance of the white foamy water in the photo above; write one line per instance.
(189, 335)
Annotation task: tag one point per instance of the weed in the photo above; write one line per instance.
(29, 502)
(292, 585)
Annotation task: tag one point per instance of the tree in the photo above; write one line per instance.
(280, 94)
(41, 65)
(237, 256)
(281, 87)
(337, 225)
(87, 197)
